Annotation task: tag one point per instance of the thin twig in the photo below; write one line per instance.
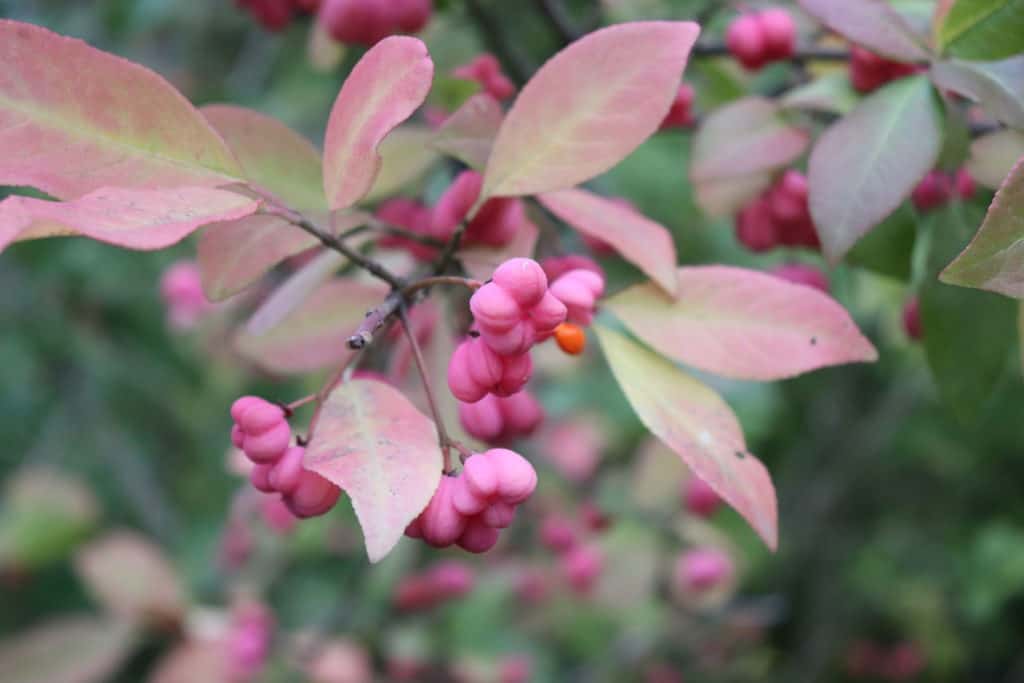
(805, 53)
(417, 353)
(375, 319)
(445, 259)
(381, 226)
(427, 282)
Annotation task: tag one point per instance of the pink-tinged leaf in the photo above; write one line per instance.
(293, 291)
(641, 241)
(997, 86)
(480, 261)
(744, 137)
(588, 107)
(994, 260)
(132, 578)
(875, 24)
(869, 161)
(469, 133)
(235, 254)
(134, 219)
(994, 155)
(384, 89)
(743, 324)
(313, 336)
(69, 649)
(272, 155)
(406, 155)
(74, 119)
(383, 453)
(698, 425)
(725, 197)
(193, 661)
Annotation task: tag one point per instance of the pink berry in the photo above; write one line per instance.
(486, 70)
(912, 319)
(314, 496)
(581, 567)
(259, 417)
(412, 16)
(701, 569)
(934, 191)
(259, 477)
(482, 420)
(523, 279)
(455, 204)
(268, 446)
(412, 216)
(802, 274)
(699, 497)
(579, 290)
(779, 33)
(964, 184)
(515, 669)
(440, 523)
(496, 223)
(415, 593)
(745, 41)
(286, 474)
(557, 533)
(516, 372)
(451, 579)
(478, 537)
(495, 309)
(547, 315)
(755, 227)
(680, 114)
(498, 515)
(522, 413)
(359, 22)
(517, 478)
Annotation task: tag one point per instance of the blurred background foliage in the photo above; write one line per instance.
(901, 522)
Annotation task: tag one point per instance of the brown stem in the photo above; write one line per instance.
(381, 226)
(375, 319)
(710, 49)
(442, 434)
(453, 245)
(427, 282)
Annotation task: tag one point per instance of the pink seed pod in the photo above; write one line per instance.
(314, 496)
(557, 533)
(495, 476)
(934, 191)
(357, 22)
(517, 479)
(482, 420)
(521, 413)
(912, 319)
(451, 579)
(414, 593)
(701, 569)
(787, 199)
(579, 291)
(581, 567)
(478, 537)
(516, 372)
(495, 309)
(440, 524)
(745, 41)
(557, 266)
(963, 183)
(454, 205)
(755, 227)
(248, 641)
(779, 33)
(496, 223)
(547, 315)
(517, 341)
(412, 216)
(412, 16)
(473, 370)
(523, 279)
(269, 446)
(680, 114)
(486, 70)
(237, 436)
(181, 284)
(802, 274)
(286, 474)
(699, 498)
(869, 71)
(499, 515)
(277, 516)
(259, 477)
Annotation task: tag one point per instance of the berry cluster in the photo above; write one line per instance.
(501, 419)
(869, 71)
(802, 274)
(938, 187)
(486, 70)
(476, 370)
(365, 22)
(680, 115)
(261, 431)
(701, 569)
(275, 15)
(470, 509)
(779, 217)
(182, 291)
(758, 38)
(443, 582)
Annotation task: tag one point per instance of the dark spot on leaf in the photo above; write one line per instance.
(740, 454)
(814, 341)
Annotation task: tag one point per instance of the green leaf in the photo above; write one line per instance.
(994, 260)
(831, 93)
(997, 86)
(984, 29)
(868, 162)
(887, 249)
(968, 335)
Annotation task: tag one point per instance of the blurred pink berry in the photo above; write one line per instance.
(515, 669)
(746, 42)
(454, 205)
(802, 274)
(358, 22)
(912, 319)
(680, 115)
(475, 371)
(869, 71)
(182, 291)
(248, 641)
(277, 516)
(410, 215)
(934, 191)
(700, 499)
(313, 497)
(581, 567)
(755, 227)
(451, 579)
(412, 16)
(964, 184)
(701, 569)
(778, 32)
(557, 533)
(486, 70)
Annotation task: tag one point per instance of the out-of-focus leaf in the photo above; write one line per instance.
(697, 424)
(387, 85)
(323, 52)
(383, 453)
(641, 241)
(271, 155)
(313, 336)
(888, 248)
(406, 155)
(632, 561)
(994, 260)
(468, 134)
(588, 107)
(726, 196)
(71, 649)
(968, 334)
(134, 219)
(997, 86)
(984, 29)
(994, 155)
(131, 577)
(743, 323)
(294, 291)
(657, 478)
(74, 119)
(194, 661)
(868, 162)
(875, 24)
(831, 93)
(235, 254)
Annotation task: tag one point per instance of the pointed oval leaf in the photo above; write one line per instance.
(994, 155)
(698, 425)
(869, 161)
(293, 291)
(588, 107)
(743, 324)
(406, 154)
(131, 577)
(875, 24)
(235, 254)
(994, 260)
(744, 137)
(271, 155)
(383, 453)
(313, 336)
(984, 29)
(997, 86)
(133, 219)
(70, 649)
(387, 85)
(74, 119)
(831, 93)
(726, 196)
(193, 661)
(469, 133)
(641, 241)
